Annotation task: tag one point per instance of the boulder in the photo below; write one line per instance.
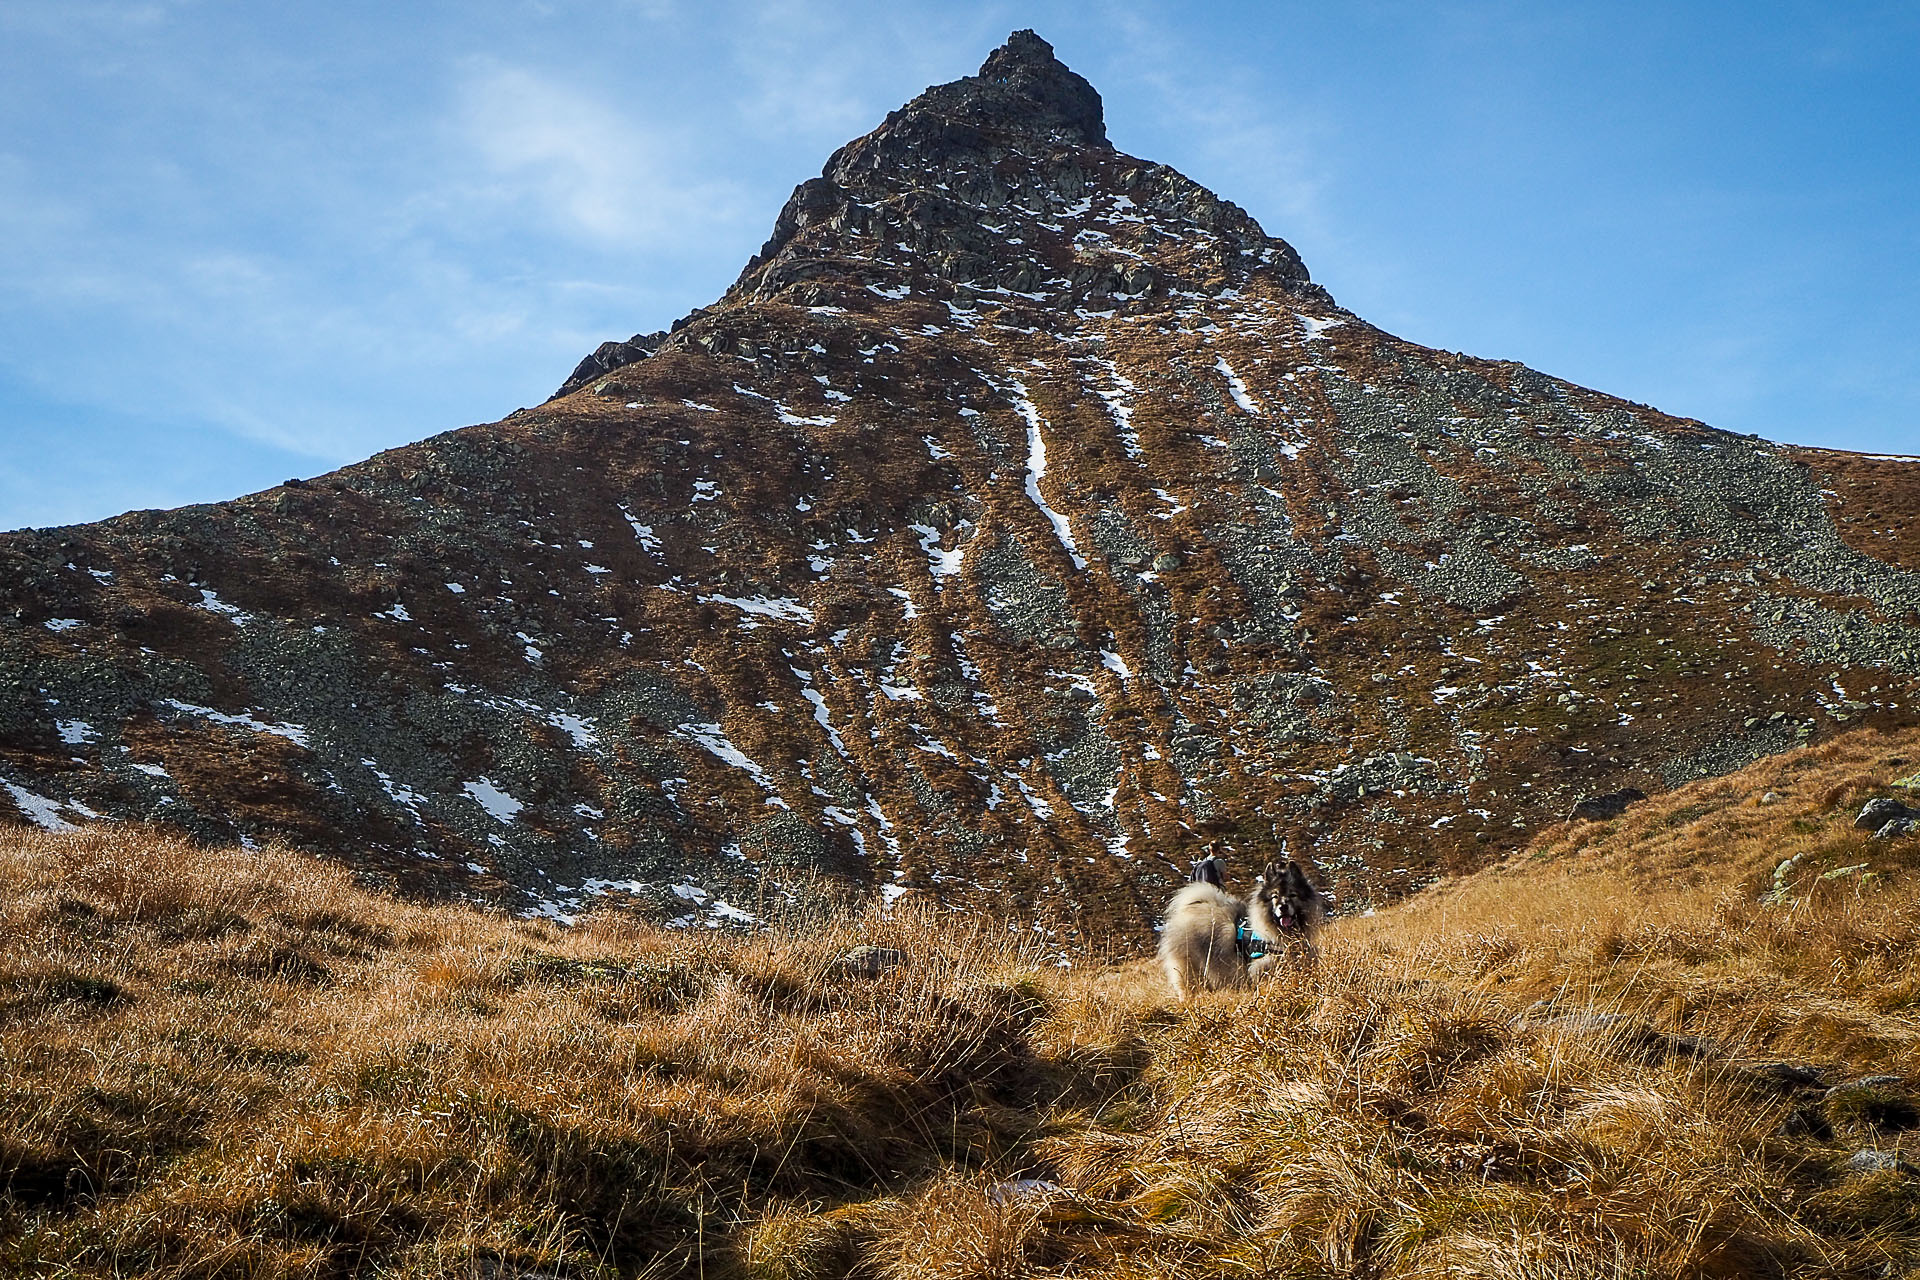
(1880, 811)
(1806, 1122)
(1863, 1084)
(609, 356)
(1789, 1075)
(1879, 1103)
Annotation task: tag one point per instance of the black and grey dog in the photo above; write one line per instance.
(1212, 940)
(1284, 915)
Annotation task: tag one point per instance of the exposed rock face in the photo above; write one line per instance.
(1022, 517)
(609, 356)
(1878, 812)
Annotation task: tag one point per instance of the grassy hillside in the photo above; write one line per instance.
(1608, 1057)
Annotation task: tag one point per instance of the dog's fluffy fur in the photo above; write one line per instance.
(1286, 912)
(1196, 944)
(1197, 947)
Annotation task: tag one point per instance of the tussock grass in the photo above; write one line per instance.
(1605, 1058)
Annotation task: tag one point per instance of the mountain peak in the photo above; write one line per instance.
(1023, 79)
(1000, 188)
(1021, 96)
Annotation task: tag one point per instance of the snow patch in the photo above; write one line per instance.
(214, 604)
(294, 733)
(579, 728)
(820, 714)
(777, 607)
(43, 812)
(1037, 470)
(710, 738)
(944, 564)
(643, 533)
(1238, 388)
(1121, 408)
(400, 793)
(502, 806)
(1041, 809)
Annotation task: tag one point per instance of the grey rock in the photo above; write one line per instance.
(1806, 1122)
(1871, 1160)
(1577, 1020)
(1399, 771)
(1017, 1189)
(1897, 828)
(1880, 811)
(609, 356)
(1681, 1045)
(1880, 1103)
(1789, 1075)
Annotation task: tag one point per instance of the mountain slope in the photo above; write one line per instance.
(1021, 516)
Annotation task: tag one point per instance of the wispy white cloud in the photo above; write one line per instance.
(823, 74)
(554, 152)
(1236, 132)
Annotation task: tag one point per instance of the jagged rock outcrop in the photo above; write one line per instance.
(609, 356)
(1021, 517)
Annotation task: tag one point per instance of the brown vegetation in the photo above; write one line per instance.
(1598, 1059)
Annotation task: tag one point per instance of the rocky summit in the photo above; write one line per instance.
(1023, 517)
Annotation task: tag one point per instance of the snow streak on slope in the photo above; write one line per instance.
(1237, 387)
(1037, 470)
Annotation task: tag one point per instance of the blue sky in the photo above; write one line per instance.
(240, 242)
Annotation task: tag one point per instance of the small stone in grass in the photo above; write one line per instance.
(1870, 1160)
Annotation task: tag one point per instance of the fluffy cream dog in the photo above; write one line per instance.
(1211, 941)
(1197, 944)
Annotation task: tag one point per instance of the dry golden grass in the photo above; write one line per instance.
(215, 1063)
